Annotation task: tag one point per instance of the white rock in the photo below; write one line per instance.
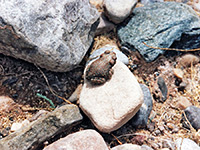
(18, 125)
(186, 144)
(111, 105)
(127, 147)
(118, 10)
(82, 140)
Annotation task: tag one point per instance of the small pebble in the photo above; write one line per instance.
(170, 126)
(168, 144)
(183, 103)
(163, 88)
(5, 132)
(188, 59)
(16, 126)
(192, 114)
(161, 128)
(182, 86)
(157, 132)
(178, 73)
(175, 130)
(155, 146)
(151, 126)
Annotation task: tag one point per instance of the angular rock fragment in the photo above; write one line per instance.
(32, 135)
(160, 25)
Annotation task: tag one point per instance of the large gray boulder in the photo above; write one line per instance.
(160, 25)
(31, 136)
(54, 34)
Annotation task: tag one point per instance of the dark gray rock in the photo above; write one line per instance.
(192, 114)
(160, 25)
(30, 137)
(163, 88)
(52, 34)
(141, 117)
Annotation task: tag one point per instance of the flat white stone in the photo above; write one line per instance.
(111, 105)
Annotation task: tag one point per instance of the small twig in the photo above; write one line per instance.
(50, 88)
(3, 71)
(14, 74)
(44, 97)
(172, 49)
(117, 139)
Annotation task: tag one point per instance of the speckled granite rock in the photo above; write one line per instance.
(52, 34)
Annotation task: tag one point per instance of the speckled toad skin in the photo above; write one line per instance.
(101, 70)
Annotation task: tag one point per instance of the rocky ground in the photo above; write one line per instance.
(26, 84)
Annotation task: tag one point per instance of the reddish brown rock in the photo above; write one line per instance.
(188, 59)
(5, 103)
(82, 140)
(183, 103)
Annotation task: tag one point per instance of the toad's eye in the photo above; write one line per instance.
(107, 52)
